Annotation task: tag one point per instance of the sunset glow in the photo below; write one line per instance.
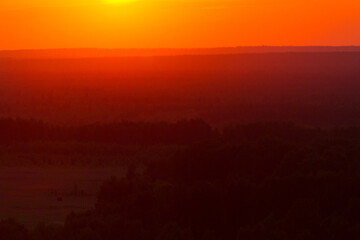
(179, 119)
(177, 23)
(118, 1)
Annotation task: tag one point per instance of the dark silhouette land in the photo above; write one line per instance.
(243, 143)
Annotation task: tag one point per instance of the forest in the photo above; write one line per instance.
(261, 145)
(179, 120)
(261, 180)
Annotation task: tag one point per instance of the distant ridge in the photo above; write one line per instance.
(100, 53)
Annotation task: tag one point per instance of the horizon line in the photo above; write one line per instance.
(179, 48)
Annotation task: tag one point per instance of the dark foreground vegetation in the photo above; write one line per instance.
(271, 180)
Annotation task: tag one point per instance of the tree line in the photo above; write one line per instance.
(256, 181)
(180, 132)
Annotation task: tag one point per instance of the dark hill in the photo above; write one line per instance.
(98, 52)
(309, 88)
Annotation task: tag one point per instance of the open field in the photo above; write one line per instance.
(32, 195)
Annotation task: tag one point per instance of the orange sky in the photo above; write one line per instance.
(177, 23)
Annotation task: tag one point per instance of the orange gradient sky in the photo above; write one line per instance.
(42, 24)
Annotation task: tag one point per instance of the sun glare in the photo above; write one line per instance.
(119, 1)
